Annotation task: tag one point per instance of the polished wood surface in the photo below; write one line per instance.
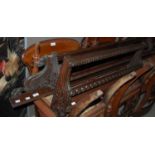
(38, 50)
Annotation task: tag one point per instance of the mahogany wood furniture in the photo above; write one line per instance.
(115, 79)
(36, 51)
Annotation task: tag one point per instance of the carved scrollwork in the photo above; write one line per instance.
(113, 98)
(61, 100)
(147, 94)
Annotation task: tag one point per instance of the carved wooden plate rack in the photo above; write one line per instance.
(107, 80)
